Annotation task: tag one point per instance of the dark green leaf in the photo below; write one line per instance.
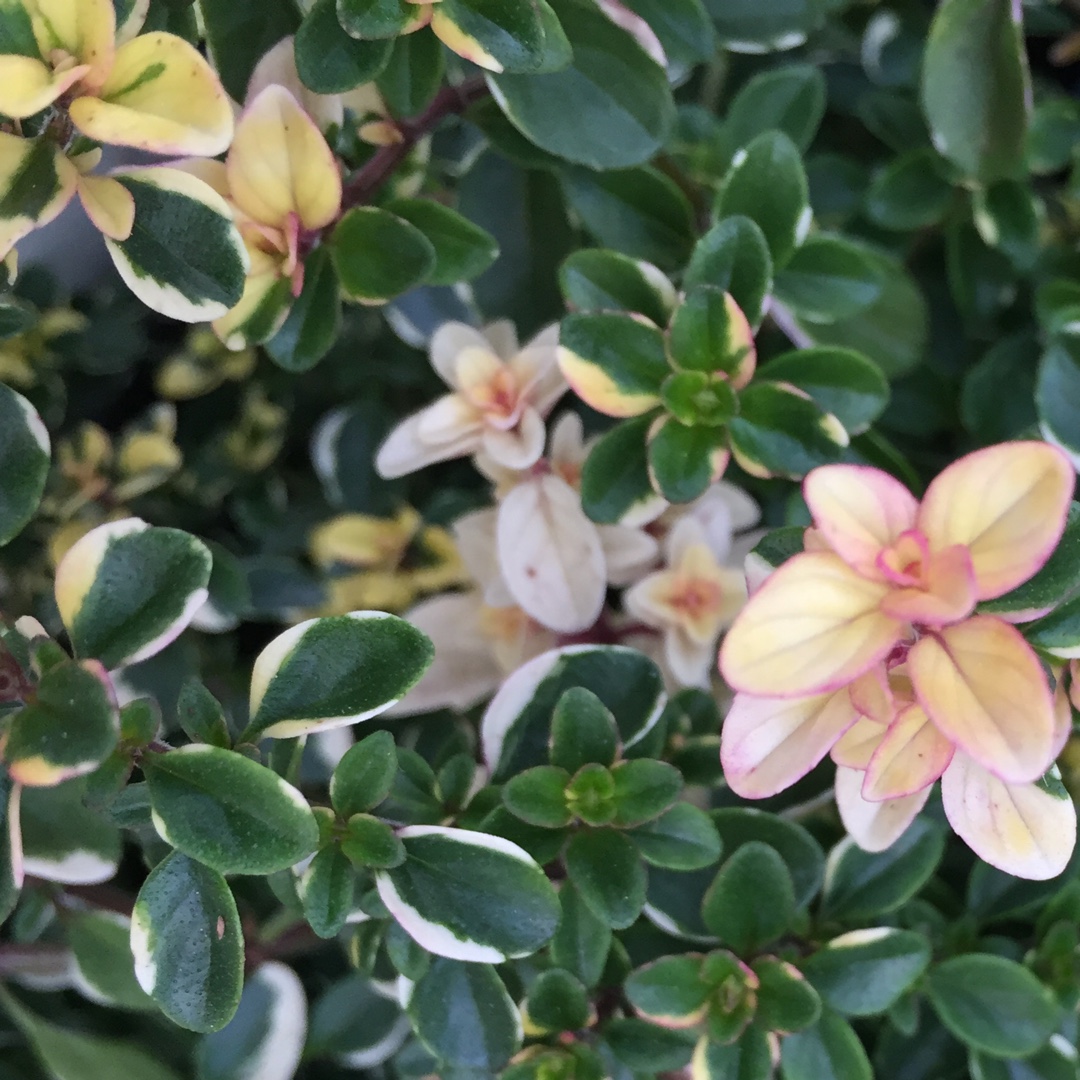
(611, 84)
(463, 1014)
(842, 381)
(647, 1048)
(364, 775)
(328, 59)
(379, 255)
(462, 250)
(753, 27)
(684, 461)
(327, 890)
(615, 479)
(314, 321)
(24, 462)
(412, 75)
(734, 256)
(910, 192)
(993, 1004)
(683, 838)
(786, 1001)
(375, 18)
(862, 885)
(829, 1050)
(606, 869)
(828, 279)
(866, 971)
(372, 843)
(1057, 394)
(975, 86)
(752, 900)
(583, 731)
(227, 811)
(767, 184)
(240, 35)
(557, 1001)
(790, 99)
(187, 943)
(538, 796)
(581, 942)
(594, 280)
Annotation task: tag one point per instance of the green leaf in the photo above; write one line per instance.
(314, 320)
(842, 382)
(500, 35)
(734, 256)
(375, 18)
(187, 943)
(670, 991)
(1059, 631)
(828, 279)
(1056, 578)
(987, 413)
(682, 26)
(24, 462)
(866, 971)
(227, 811)
(100, 943)
(76, 1055)
(184, 257)
(615, 480)
(462, 250)
(36, 183)
(200, 714)
(239, 36)
(861, 885)
(63, 840)
(1009, 217)
(606, 870)
(778, 432)
(412, 75)
(640, 212)
(790, 99)
(993, 1004)
(557, 1002)
(683, 838)
(1051, 1063)
(69, 728)
(975, 86)
(127, 589)
(594, 280)
(516, 727)
(11, 855)
(16, 316)
(364, 775)
(748, 1059)
(644, 789)
(647, 1048)
(583, 731)
(614, 362)
(582, 940)
(464, 1016)
(708, 333)
(752, 900)
(892, 332)
(767, 184)
(753, 27)
(1057, 394)
(266, 1036)
(795, 846)
(611, 84)
(379, 255)
(328, 891)
(372, 843)
(786, 1001)
(335, 671)
(910, 193)
(538, 796)
(469, 896)
(356, 1023)
(1053, 131)
(829, 1050)
(684, 461)
(330, 61)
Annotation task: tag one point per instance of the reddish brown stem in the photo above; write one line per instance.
(449, 101)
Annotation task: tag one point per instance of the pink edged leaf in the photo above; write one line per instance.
(874, 826)
(984, 689)
(859, 511)
(1007, 504)
(949, 593)
(911, 756)
(814, 625)
(1023, 829)
(768, 743)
